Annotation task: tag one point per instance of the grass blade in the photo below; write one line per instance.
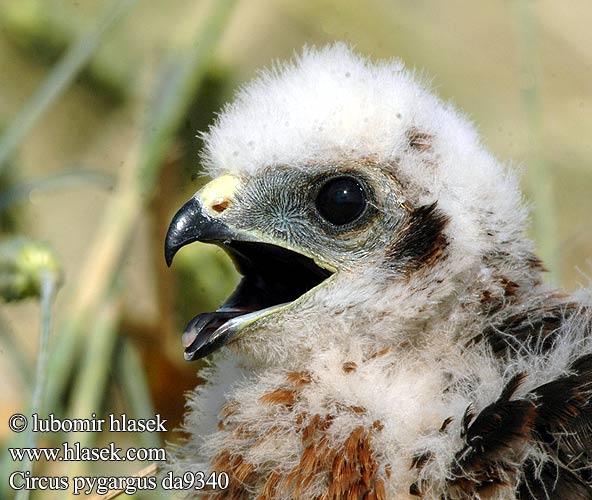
(539, 182)
(179, 85)
(94, 373)
(132, 379)
(60, 77)
(135, 186)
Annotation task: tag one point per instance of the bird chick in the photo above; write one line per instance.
(391, 336)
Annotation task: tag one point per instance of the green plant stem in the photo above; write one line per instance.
(91, 382)
(48, 290)
(131, 376)
(60, 77)
(133, 192)
(539, 181)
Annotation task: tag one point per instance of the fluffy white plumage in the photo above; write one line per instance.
(399, 355)
(333, 104)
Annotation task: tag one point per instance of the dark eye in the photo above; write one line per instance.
(341, 200)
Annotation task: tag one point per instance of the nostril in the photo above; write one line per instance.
(220, 206)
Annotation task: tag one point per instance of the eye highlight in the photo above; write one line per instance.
(341, 200)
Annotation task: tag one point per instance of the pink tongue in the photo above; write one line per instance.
(208, 323)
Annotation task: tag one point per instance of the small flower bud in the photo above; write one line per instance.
(23, 265)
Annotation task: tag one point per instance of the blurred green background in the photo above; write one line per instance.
(100, 103)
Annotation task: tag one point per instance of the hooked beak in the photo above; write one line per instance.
(197, 220)
(274, 277)
(191, 223)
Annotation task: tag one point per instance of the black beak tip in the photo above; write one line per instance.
(171, 246)
(169, 253)
(180, 231)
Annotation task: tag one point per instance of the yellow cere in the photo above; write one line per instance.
(218, 192)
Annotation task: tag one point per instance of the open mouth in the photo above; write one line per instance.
(273, 277)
